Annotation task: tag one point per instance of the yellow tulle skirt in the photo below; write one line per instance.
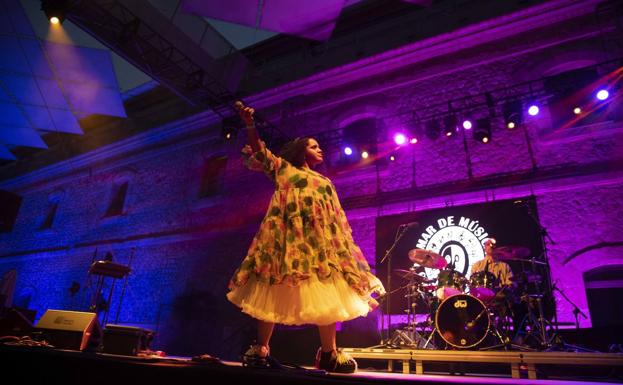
(312, 301)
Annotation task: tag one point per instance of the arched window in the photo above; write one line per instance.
(604, 291)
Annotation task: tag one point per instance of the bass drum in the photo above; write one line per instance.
(462, 321)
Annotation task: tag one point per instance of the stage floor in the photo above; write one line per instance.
(37, 364)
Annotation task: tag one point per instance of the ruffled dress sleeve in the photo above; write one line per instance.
(263, 160)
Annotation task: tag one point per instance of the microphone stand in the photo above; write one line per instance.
(576, 309)
(543, 235)
(400, 232)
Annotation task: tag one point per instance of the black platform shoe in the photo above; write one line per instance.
(335, 361)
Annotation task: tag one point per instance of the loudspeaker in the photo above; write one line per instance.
(71, 330)
(126, 340)
(16, 322)
(9, 206)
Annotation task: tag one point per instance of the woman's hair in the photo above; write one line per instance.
(294, 151)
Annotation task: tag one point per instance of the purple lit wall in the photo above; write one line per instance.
(183, 248)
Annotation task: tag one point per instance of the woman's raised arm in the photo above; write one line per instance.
(246, 114)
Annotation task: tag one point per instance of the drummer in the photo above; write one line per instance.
(500, 269)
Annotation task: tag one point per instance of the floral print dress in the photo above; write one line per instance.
(303, 266)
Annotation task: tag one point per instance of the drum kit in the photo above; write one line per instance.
(462, 313)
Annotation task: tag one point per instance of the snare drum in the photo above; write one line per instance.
(450, 282)
(483, 285)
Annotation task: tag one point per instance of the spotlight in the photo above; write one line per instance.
(433, 129)
(467, 124)
(348, 151)
(533, 110)
(229, 127)
(400, 138)
(512, 114)
(392, 157)
(577, 110)
(482, 131)
(413, 141)
(365, 154)
(55, 10)
(450, 125)
(602, 94)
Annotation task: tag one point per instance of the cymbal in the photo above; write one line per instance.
(509, 253)
(410, 274)
(427, 258)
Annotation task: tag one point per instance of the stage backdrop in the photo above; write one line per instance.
(457, 233)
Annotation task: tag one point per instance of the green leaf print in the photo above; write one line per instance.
(275, 211)
(301, 183)
(290, 237)
(305, 266)
(294, 178)
(308, 201)
(291, 207)
(321, 189)
(304, 248)
(322, 256)
(295, 264)
(329, 191)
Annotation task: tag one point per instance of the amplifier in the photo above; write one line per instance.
(126, 340)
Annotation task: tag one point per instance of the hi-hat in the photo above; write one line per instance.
(510, 253)
(427, 258)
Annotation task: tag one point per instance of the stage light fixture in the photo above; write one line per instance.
(450, 125)
(229, 127)
(413, 140)
(392, 157)
(512, 114)
(55, 10)
(467, 124)
(400, 138)
(577, 110)
(348, 151)
(602, 94)
(533, 110)
(482, 130)
(365, 154)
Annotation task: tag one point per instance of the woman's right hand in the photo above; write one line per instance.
(246, 113)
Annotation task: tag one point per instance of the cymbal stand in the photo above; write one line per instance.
(505, 341)
(545, 341)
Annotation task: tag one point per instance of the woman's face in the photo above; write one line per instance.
(313, 153)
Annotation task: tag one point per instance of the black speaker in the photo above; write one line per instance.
(9, 206)
(126, 340)
(71, 330)
(16, 322)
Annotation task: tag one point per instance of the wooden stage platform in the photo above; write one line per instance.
(34, 365)
(413, 360)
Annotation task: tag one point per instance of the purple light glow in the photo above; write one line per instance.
(400, 139)
(467, 125)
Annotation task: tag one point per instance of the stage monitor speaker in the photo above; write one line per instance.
(9, 206)
(72, 330)
(16, 322)
(126, 340)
